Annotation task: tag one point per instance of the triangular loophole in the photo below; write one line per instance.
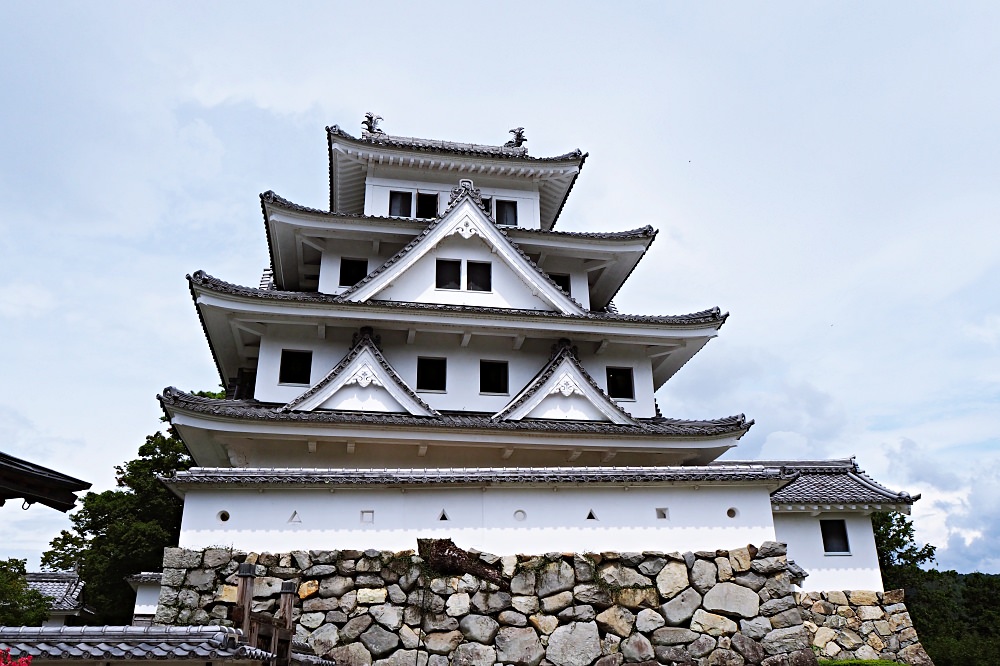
(294, 518)
(591, 515)
(444, 515)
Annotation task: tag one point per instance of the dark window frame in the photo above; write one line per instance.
(564, 280)
(424, 209)
(347, 262)
(468, 276)
(403, 195)
(291, 366)
(834, 533)
(505, 212)
(439, 264)
(483, 389)
(614, 385)
(428, 369)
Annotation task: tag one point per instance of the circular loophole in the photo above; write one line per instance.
(520, 515)
(732, 512)
(223, 516)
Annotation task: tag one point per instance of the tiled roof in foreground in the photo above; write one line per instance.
(710, 317)
(477, 475)
(253, 410)
(824, 482)
(64, 587)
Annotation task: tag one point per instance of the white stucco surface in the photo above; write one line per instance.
(858, 570)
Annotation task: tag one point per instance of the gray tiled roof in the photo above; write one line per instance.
(146, 577)
(833, 482)
(129, 643)
(476, 475)
(64, 587)
(202, 279)
(449, 147)
(253, 410)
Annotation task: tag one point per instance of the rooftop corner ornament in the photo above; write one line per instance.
(370, 123)
(518, 139)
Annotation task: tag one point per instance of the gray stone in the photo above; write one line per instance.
(267, 586)
(426, 600)
(704, 575)
(519, 646)
(789, 618)
(679, 610)
(649, 620)
(188, 599)
(335, 586)
(582, 613)
(408, 579)
(772, 549)
(616, 620)
(368, 580)
(915, 655)
(352, 654)
(479, 628)
(637, 648)
(473, 654)
(544, 623)
(490, 602)
(755, 628)
(637, 597)
(379, 641)
(404, 658)
(324, 639)
(671, 579)
(173, 577)
(318, 570)
(700, 647)
(574, 644)
(583, 568)
(592, 594)
(312, 620)
(349, 601)
(526, 605)
(512, 618)
(409, 638)
(725, 569)
(554, 577)
(779, 585)
(181, 558)
(651, 565)
(673, 636)
(354, 628)
(752, 580)
(740, 559)
(439, 622)
(712, 624)
(774, 606)
(557, 602)
(610, 644)
(610, 660)
(523, 582)
(458, 604)
(725, 657)
(786, 640)
(396, 594)
(733, 600)
(749, 648)
(318, 604)
(442, 642)
(671, 654)
(389, 616)
(619, 575)
(216, 557)
(769, 565)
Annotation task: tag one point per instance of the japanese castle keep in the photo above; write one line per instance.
(435, 357)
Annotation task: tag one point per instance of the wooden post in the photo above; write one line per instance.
(285, 605)
(281, 639)
(244, 599)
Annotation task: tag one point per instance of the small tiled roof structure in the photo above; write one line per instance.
(130, 643)
(64, 588)
(145, 578)
(20, 479)
(253, 410)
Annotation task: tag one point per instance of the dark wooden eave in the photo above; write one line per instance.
(20, 479)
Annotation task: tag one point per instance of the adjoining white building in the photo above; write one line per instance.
(431, 358)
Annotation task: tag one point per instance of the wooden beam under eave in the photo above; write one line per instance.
(466, 337)
(411, 335)
(574, 455)
(518, 342)
(601, 346)
(507, 453)
(608, 456)
(351, 445)
(421, 450)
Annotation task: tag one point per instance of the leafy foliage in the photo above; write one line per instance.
(899, 556)
(19, 604)
(118, 533)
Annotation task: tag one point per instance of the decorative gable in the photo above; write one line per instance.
(362, 382)
(468, 238)
(564, 390)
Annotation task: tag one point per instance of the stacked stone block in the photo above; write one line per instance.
(860, 624)
(712, 608)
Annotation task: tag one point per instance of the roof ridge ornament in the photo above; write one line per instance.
(518, 140)
(370, 123)
(465, 187)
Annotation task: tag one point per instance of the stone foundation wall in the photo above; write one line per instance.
(717, 608)
(862, 625)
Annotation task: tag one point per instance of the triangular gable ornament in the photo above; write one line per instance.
(365, 368)
(466, 217)
(557, 386)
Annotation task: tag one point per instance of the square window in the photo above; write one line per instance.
(432, 374)
(488, 204)
(449, 274)
(479, 276)
(427, 206)
(368, 516)
(296, 367)
(662, 513)
(493, 377)
(561, 279)
(620, 383)
(506, 213)
(401, 204)
(352, 271)
(834, 536)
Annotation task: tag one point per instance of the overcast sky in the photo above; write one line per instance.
(829, 173)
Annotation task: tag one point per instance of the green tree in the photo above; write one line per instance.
(20, 606)
(899, 556)
(118, 533)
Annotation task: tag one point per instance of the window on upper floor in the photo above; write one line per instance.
(488, 204)
(561, 279)
(352, 271)
(400, 204)
(427, 206)
(620, 384)
(432, 374)
(506, 213)
(296, 367)
(448, 274)
(493, 377)
(834, 537)
(479, 276)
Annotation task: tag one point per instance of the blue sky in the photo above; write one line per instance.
(826, 172)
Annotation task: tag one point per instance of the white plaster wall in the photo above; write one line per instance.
(463, 366)
(555, 519)
(369, 398)
(857, 571)
(146, 598)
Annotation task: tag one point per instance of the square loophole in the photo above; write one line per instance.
(662, 513)
(367, 516)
